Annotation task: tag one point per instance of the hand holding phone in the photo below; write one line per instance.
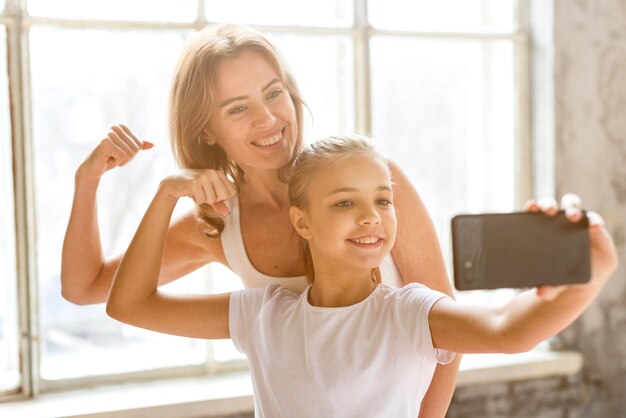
(518, 250)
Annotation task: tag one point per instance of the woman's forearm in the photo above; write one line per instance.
(82, 258)
(437, 399)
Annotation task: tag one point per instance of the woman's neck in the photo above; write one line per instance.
(336, 290)
(263, 187)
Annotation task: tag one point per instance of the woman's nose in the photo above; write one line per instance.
(263, 117)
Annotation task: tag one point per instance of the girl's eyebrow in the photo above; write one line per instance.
(353, 189)
(234, 99)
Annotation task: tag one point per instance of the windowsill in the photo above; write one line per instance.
(232, 394)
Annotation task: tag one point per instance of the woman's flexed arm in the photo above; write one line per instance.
(85, 275)
(135, 298)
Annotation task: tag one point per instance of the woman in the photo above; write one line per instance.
(236, 125)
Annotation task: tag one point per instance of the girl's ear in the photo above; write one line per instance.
(299, 222)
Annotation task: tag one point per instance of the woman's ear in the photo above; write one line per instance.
(206, 136)
(300, 222)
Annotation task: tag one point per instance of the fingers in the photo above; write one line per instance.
(548, 206)
(210, 187)
(114, 153)
(120, 137)
(549, 293)
(143, 144)
(572, 206)
(596, 221)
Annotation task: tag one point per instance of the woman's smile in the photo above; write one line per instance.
(270, 142)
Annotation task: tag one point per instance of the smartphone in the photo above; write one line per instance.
(518, 250)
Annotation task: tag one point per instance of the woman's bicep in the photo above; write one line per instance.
(417, 252)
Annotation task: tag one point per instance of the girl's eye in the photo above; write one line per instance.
(384, 202)
(344, 204)
(236, 110)
(275, 93)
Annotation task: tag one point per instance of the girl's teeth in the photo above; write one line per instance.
(366, 240)
(271, 140)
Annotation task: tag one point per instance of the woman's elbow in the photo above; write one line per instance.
(80, 297)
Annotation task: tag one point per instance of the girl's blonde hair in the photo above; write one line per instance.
(192, 99)
(332, 150)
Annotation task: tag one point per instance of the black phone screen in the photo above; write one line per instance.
(517, 250)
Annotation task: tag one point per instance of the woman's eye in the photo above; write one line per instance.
(344, 204)
(236, 110)
(385, 202)
(274, 94)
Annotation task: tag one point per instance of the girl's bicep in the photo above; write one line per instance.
(188, 248)
(464, 328)
(194, 316)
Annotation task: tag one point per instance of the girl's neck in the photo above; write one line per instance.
(332, 290)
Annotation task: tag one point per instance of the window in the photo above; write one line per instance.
(440, 91)
(9, 335)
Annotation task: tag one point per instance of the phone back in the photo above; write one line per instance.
(517, 250)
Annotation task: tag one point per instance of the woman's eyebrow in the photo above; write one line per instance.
(234, 99)
(353, 189)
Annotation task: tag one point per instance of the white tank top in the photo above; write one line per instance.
(238, 261)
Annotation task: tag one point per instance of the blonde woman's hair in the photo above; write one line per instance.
(332, 150)
(192, 99)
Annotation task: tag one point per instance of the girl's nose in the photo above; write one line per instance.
(369, 217)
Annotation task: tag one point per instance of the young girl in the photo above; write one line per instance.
(329, 351)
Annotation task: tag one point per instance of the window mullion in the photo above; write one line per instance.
(362, 82)
(24, 214)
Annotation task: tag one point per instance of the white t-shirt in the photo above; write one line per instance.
(371, 359)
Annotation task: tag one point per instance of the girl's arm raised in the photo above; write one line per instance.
(528, 318)
(135, 298)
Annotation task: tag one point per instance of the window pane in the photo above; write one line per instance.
(9, 354)
(443, 15)
(1, 4)
(96, 80)
(445, 112)
(323, 68)
(323, 13)
(139, 10)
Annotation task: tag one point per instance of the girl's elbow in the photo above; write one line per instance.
(514, 344)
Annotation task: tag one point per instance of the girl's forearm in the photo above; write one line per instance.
(82, 258)
(137, 278)
(527, 319)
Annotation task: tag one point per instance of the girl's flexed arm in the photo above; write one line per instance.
(530, 317)
(134, 297)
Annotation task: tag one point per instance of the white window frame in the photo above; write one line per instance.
(18, 24)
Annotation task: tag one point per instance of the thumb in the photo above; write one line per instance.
(221, 208)
(146, 145)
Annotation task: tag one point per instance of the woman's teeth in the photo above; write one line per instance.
(269, 141)
(366, 240)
